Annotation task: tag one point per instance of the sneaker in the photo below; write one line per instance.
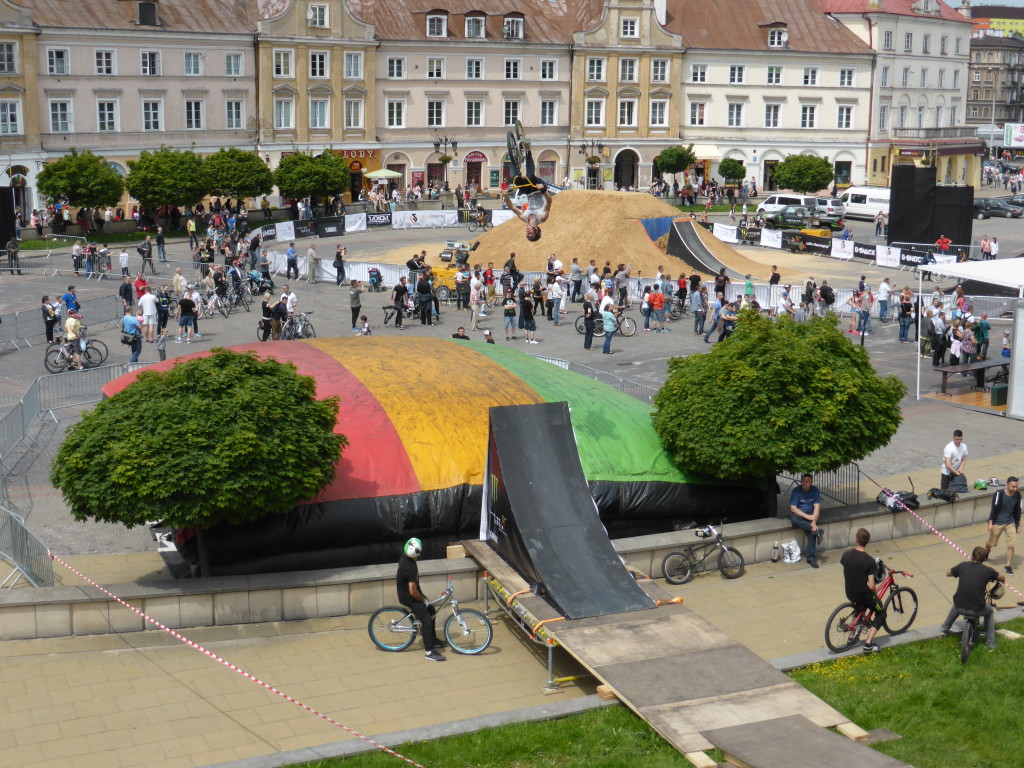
(188, 341)
(435, 656)
(946, 632)
(1009, 571)
(871, 648)
(990, 647)
(177, 341)
(198, 336)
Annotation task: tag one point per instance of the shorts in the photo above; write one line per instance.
(659, 315)
(186, 321)
(1011, 535)
(510, 322)
(530, 325)
(149, 319)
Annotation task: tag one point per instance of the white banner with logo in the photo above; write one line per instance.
(285, 231)
(725, 232)
(887, 256)
(355, 222)
(771, 238)
(501, 215)
(424, 219)
(842, 249)
(944, 258)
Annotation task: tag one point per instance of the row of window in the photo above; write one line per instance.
(901, 117)
(58, 62)
(108, 115)
(923, 78)
(889, 43)
(512, 27)
(437, 69)
(319, 64)
(738, 74)
(736, 115)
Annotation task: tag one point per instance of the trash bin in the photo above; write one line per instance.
(998, 395)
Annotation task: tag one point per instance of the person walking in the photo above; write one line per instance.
(131, 327)
(1005, 518)
(145, 250)
(291, 262)
(399, 295)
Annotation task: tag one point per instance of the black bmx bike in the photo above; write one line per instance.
(680, 567)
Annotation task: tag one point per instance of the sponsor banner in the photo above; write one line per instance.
(501, 215)
(913, 258)
(842, 249)
(945, 258)
(771, 238)
(864, 251)
(424, 219)
(378, 219)
(725, 232)
(355, 222)
(304, 228)
(750, 234)
(887, 256)
(821, 246)
(1013, 135)
(267, 232)
(285, 231)
(330, 226)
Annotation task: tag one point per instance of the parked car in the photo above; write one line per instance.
(994, 206)
(792, 217)
(777, 201)
(831, 212)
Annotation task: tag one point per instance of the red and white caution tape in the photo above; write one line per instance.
(231, 666)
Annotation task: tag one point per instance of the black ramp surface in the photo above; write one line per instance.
(683, 243)
(543, 519)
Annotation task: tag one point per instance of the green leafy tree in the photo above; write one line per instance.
(785, 397)
(167, 177)
(190, 446)
(236, 173)
(803, 173)
(675, 159)
(302, 175)
(81, 179)
(732, 169)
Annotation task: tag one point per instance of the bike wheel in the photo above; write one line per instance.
(674, 312)
(244, 302)
(392, 628)
(513, 149)
(967, 639)
(100, 347)
(486, 225)
(900, 610)
(172, 307)
(677, 568)
(581, 325)
(627, 326)
(470, 635)
(259, 332)
(730, 563)
(840, 631)
(308, 331)
(472, 226)
(54, 360)
(91, 357)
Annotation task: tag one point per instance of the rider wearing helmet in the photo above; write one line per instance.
(411, 596)
(974, 578)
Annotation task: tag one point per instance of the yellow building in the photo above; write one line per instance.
(314, 61)
(20, 155)
(626, 71)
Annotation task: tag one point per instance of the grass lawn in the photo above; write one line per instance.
(106, 238)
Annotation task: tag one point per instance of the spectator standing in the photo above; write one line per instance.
(291, 260)
(508, 310)
(339, 265)
(12, 255)
(148, 311)
(589, 318)
(312, 262)
(883, 300)
(399, 297)
(161, 245)
(145, 250)
(355, 302)
(610, 324)
(132, 326)
(994, 248)
(49, 317)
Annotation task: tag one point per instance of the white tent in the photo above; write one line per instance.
(1008, 273)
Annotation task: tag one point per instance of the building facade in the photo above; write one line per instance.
(995, 91)
(20, 153)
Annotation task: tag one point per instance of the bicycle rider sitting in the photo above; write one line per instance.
(478, 214)
(860, 573)
(407, 583)
(969, 599)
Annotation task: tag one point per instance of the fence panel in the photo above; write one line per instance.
(74, 388)
(11, 429)
(25, 550)
(842, 484)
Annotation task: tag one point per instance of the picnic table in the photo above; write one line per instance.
(979, 370)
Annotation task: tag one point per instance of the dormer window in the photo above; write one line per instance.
(317, 15)
(475, 27)
(513, 28)
(437, 25)
(777, 37)
(630, 28)
(147, 15)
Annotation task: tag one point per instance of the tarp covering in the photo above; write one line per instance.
(550, 531)
(1008, 273)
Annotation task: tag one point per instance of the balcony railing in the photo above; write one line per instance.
(955, 132)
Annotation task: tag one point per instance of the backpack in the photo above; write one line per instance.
(827, 294)
(945, 495)
(896, 500)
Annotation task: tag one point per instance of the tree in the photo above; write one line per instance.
(803, 173)
(783, 397)
(222, 439)
(167, 177)
(731, 169)
(675, 159)
(236, 173)
(301, 175)
(81, 179)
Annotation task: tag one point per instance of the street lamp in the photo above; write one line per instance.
(445, 142)
(589, 149)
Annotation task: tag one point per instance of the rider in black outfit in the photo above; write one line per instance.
(859, 571)
(407, 582)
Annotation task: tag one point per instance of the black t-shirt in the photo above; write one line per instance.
(588, 311)
(408, 572)
(694, 282)
(509, 306)
(526, 310)
(857, 566)
(457, 336)
(970, 592)
(774, 279)
(187, 307)
(400, 293)
(423, 288)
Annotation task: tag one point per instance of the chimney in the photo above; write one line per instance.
(965, 8)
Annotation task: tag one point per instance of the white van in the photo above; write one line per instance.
(776, 202)
(865, 202)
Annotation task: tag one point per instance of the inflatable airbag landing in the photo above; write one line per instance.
(416, 414)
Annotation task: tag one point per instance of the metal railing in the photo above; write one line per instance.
(25, 551)
(950, 132)
(22, 328)
(971, 251)
(842, 484)
(632, 388)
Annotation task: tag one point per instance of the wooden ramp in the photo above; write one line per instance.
(688, 679)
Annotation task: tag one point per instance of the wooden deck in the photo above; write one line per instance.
(975, 400)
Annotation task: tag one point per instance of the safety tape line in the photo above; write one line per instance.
(231, 666)
(891, 495)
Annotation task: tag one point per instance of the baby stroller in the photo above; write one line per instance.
(259, 282)
(376, 280)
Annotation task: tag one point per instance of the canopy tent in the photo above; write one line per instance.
(1008, 273)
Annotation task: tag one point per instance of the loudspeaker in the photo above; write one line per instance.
(6, 215)
(953, 214)
(911, 204)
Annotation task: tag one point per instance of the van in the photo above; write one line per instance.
(865, 202)
(775, 203)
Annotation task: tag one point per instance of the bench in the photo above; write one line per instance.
(978, 369)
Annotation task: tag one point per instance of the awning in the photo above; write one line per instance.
(1008, 273)
(707, 152)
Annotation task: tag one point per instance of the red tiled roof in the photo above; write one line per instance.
(897, 7)
(178, 16)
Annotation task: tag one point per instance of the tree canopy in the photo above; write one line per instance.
(732, 169)
(81, 179)
(302, 175)
(803, 173)
(167, 176)
(675, 159)
(222, 439)
(237, 173)
(776, 396)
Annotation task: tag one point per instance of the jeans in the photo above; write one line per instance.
(812, 541)
(292, 264)
(425, 306)
(161, 251)
(136, 348)
(883, 311)
(698, 322)
(904, 328)
(990, 623)
(339, 278)
(647, 317)
(608, 341)
(577, 288)
(355, 316)
(864, 321)
(711, 329)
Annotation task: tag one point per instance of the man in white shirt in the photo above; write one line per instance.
(785, 307)
(289, 299)
(954, 463)
(883, 300)
(123, 259)
(148, 306)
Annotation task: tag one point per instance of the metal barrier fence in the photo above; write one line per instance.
(972, 251)
(19, 329)
(842, 484)
(633, 388)
(72, 388)
(25, 551)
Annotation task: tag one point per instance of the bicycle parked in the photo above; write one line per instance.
(680, 567)
(624, 324)
(297, 326)
(847, 623)
(467, 631)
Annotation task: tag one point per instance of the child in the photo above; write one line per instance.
(365, 329)
(161, 344)
(1006, 343)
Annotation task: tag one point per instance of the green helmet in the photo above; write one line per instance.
(980, 485)
(413, 548)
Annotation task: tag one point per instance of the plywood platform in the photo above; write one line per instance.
(968, 397)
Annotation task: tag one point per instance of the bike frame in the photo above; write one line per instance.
(866, 616)
(707, 547)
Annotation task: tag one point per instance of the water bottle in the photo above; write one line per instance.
(775, 552)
